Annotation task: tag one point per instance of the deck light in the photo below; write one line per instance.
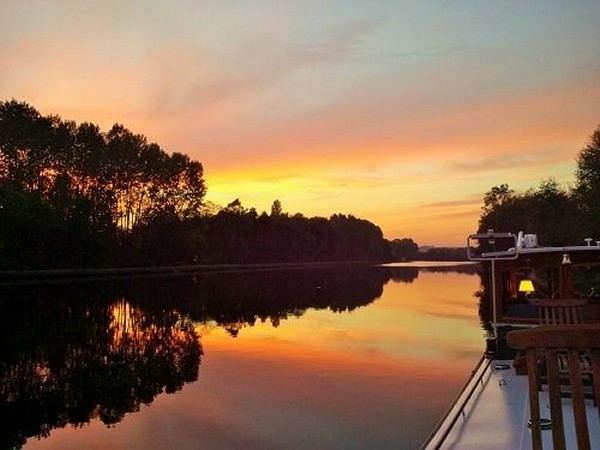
(526, 286)
(566, 259)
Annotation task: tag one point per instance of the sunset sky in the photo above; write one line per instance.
(400, 112)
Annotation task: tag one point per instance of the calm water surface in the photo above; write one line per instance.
(296, 359)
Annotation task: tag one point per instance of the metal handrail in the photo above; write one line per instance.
(490, 236)
(457, 407)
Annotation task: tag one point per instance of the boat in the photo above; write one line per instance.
(537, 385)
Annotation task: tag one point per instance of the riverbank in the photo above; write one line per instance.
(50, 274)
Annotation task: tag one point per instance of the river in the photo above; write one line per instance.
(344, 358)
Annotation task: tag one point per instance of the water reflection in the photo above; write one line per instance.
(67, 359)
(76, 352)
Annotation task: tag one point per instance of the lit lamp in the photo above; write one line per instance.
(526, 286)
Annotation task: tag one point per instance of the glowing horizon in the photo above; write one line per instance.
(401, 113)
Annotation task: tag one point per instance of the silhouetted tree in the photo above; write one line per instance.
(86, 192)
(587, 188)
(403, 249)
(74, 196)
(558, 216)
(276, 209)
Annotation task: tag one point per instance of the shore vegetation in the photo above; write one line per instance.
(74, 196)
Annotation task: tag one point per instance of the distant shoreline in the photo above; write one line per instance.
(430, 263)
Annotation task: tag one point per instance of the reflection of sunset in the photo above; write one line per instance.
(123, 325)
(131, 330)
(455, 300)
(426, 321)
(331, 352)
(418, 328)
(127, 327)
(358, 365)
(375, 375)
(365, 387)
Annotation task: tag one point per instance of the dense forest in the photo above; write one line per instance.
(73, 196)
(559, 216)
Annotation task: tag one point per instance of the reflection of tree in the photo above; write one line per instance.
(137, 345)
(468, 269)
(404, 274)
(237, 300)
(71, 352)
(60, 366)
(484, 294)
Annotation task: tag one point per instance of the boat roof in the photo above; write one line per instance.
(525, 245)
(515, 253)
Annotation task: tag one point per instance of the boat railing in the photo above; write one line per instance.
(444, 427)
(491, 237)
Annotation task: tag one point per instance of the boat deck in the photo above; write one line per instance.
(496, 415)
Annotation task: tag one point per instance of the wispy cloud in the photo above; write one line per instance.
(340, 43)
(454, 203)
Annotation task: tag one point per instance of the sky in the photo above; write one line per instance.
(404, 113)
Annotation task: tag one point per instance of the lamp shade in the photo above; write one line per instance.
(526, 286)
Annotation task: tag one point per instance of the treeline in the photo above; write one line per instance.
(280, 237)
(443, 254)
(559, 216)
(73, 196)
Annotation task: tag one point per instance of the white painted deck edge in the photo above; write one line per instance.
(496, 416)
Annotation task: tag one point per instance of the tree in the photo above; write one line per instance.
(496, 203)
(93, 188)
(553, 215)
(558, 216)
(587, 188)
(548, 211)
(496, 197)
(25, 139)
(403, 249)
(276, 209)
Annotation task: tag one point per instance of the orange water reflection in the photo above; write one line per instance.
(377, 377)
